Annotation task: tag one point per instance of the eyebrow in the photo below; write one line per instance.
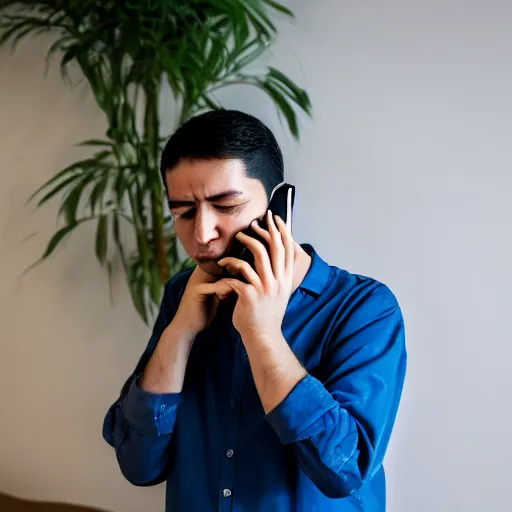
(217, 197)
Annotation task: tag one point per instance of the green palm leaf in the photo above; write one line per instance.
(123, 51)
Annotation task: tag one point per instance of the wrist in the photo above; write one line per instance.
(262, 338)
(177, 333)
(165, 370)
(175, 344)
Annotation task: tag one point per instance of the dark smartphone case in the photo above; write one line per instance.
(281, 204)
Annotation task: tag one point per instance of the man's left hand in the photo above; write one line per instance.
(263, 300)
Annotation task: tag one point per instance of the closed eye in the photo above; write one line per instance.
(227, 208)
(189, 214)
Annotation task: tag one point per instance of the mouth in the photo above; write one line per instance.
(207, 258)
(211, 257)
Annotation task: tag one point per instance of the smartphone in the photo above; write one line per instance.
(281, 204)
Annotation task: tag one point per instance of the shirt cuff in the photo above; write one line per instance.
(306, 403)
(153, 414)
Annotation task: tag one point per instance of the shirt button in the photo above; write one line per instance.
(226, 493)
(232, 403)
(230, 453)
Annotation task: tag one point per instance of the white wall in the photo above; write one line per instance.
(404, 174)
(64, 351)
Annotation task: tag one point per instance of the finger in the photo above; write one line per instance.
(262, 262)
(208, 289)
(244, 268)
(241, 289)
(261, 232)
(223, 290)
(277, 249)
(288, 244)
(219, 290)
(273, 240)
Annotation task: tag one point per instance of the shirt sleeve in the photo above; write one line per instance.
(139, 424)
(152, 414)
(339, 422)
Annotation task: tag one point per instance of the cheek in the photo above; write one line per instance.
(230, 227)
(228, 224)
(184, 232)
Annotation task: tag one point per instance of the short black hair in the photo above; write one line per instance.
(227, 134)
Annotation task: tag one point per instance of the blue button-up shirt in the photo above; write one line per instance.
(320, 450)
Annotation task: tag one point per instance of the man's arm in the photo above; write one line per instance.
(339, 425)
(275, 368)
(165, 371)
(139, 425)
(339, 428)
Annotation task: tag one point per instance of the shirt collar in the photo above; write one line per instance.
(317, 276)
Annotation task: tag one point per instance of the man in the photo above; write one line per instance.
(276, 392)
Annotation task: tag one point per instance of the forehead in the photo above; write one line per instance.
(200, 178)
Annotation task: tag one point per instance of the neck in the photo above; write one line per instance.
(302, 262)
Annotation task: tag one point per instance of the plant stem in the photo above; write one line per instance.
(152, 136)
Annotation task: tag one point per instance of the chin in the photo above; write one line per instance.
(211, 267)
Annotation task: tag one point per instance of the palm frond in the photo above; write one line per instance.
(123, 50)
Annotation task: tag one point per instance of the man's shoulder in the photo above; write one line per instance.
(358, 301)
(359, 287)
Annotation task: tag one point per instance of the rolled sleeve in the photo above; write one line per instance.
(306, 403)
(151, 414)
(339, 428)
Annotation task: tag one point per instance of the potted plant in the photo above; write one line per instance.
(125, 51)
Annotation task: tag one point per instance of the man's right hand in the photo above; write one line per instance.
(199, 302)
(165, 370)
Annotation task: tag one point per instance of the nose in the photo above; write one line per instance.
(205, 229)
